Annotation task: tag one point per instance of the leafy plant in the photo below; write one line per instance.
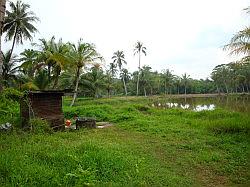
(38, 125)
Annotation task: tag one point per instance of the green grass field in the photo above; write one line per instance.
(146, 146)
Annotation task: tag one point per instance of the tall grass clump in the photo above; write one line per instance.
(38, 126)
(231, 126)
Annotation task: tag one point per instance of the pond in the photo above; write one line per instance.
(231, 103)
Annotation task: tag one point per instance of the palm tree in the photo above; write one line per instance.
(29, 60)
(108, 82)
(167, 77)
(54, 55)
(41, 80)
(80, 56)
(2, 13)
(185, 80)
(18, 23)
(125, 76)
(9, 68)
(240, 43)
(112, 68)
(222, 76)
(177, 82)
(146, 77)
(119, 59)
(93, 81)
(139, 48)
(45, 53)
(59, 57)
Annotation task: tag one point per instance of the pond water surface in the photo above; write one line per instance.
(231, 103)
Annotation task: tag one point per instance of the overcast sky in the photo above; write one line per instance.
(185, 36)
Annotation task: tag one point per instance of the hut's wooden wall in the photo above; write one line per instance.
(45, 105)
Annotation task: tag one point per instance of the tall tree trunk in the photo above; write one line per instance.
(158, 87)
(185, 90)
(125, 87)
(58, 72)
(13, 42)
(243, 89)
(145, 93)
(76, 87)
(247, 88)
(226, 88)
(2, 13)
(218, 90)
(49, 71)
(165, 88)
(55, 82)
(137, 87)
(108, 93)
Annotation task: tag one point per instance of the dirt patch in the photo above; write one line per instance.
(207, 177)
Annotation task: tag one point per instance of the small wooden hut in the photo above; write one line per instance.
(45, 105)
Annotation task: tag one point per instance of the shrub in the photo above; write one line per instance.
(12, 94)
(142, 108)
(38, 125)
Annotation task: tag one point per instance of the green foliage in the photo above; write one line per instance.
(142, 108)
(38, 125)
(9, 106)
(12, 94)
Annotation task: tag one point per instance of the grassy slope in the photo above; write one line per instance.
(147, 146)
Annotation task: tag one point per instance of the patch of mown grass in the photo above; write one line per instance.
(145, 147)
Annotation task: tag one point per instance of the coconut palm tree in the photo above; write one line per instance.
(93, 80)
(112, 68)
(18, 23)
(59, 57)
(177, 83)
(80, 55)
(185, 80)
(29, 60)
(168, 78)
(2, 13)
(45, 53)
(222, 76)
(119, 59)
(139, 48)
(10, 68)
(146, 77)
(240, 43)
(54, 55)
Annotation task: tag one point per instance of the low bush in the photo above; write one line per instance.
(11, 94)
(38, 126)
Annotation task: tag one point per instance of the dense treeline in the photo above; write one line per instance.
(54, 64)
